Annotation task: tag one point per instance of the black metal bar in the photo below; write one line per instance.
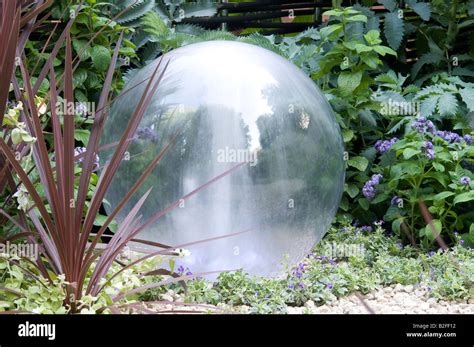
(244, 18)
(253, 7)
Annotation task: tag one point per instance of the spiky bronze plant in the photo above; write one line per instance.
(60, 219)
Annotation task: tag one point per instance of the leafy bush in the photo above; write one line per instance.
(426, 164)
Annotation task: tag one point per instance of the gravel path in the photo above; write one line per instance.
(390, 300)
(393, 299)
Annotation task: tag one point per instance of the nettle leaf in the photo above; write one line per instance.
(447, 104)
(394, 29)
(101, 57)
(348, 81)
(428, 105)
(427, 58)
(360, 163)
(467, 95)
(422, 9)
(388, 4)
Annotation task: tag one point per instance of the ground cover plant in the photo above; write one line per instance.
(406, 122)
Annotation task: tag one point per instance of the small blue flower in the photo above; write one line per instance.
(369, 187)
(395, 200)
(329, 286)
(465, 180)
(468, 139)
(383, 146)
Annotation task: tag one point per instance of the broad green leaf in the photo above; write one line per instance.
(464, 197)
(330, 30)
(438, 167)
(358, 18)
(348, 81)
(360, 163)
(443, 195)
(364, 203)
(347, 135)
(352, 190)
(410, 152)
(433, 229)
(101, 57)
(383, 50)
(82, 135)
(360, 48)
(373, 37)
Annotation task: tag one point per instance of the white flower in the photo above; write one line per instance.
(41, 105)
(183, 252)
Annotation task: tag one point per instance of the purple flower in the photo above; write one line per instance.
(468, 139)
(376, 178)
(147, 133)
(428, 148)
(81, 151)
(422, 125)
(395, 200)
(366, 228)
(301, 285)
(291, 286)
(383, 146)
(329, 286)
(461, 242)
(183, 271)
(448, 136)
(369, 187)
(465, 180)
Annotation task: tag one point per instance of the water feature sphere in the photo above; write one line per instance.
(234, 106)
